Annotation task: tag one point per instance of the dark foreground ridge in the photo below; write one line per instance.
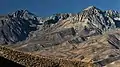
(29, 60)
(8, 63)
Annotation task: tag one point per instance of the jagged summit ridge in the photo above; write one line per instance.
(16, 26)
(26, 22)
(90, 7)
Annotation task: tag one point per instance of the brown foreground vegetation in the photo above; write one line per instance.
(29, 60)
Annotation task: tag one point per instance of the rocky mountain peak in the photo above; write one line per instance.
(90, 7)
(112, 13)
(16, 26)
(25, 14)
(18, 13)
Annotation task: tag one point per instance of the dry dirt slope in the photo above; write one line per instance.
(29, 60)
(102, 50)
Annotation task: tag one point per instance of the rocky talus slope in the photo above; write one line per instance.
(92, 35)
(31, 60)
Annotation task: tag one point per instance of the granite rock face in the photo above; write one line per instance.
(16, 26)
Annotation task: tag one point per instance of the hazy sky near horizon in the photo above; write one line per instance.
(49, 7)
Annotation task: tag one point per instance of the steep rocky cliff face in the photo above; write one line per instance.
(16, 26)
(91, 34)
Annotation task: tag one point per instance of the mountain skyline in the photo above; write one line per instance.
(47, 8)
(89, 38)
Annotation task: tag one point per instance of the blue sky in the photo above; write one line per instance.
(49, 7)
